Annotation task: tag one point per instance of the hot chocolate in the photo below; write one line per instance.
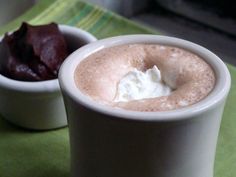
(188, 76)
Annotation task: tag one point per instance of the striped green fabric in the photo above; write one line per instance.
(25, 153)
(100, 22)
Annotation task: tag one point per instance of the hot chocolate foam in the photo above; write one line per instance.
(190, 77)
(136, 85)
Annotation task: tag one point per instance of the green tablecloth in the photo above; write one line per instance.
(26, 153)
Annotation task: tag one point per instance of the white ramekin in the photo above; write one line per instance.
(38, 105)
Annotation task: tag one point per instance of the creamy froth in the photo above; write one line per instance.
(189, 76)
(136, 85)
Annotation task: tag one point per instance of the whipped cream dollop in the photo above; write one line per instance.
(137, 85)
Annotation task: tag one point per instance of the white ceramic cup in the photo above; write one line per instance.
(38, 105)
(108, 142)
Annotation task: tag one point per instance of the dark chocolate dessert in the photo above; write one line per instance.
(33, 53)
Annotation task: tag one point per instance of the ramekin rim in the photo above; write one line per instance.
(45, 85)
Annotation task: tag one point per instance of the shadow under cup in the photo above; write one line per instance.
(109, 142)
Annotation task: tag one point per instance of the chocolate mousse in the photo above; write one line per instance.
(33, 53)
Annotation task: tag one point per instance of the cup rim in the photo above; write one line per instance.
(46, 85)
(218, 94)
